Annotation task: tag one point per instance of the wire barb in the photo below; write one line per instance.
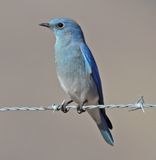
(140, 104)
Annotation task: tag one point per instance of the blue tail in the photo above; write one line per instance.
(104, 128)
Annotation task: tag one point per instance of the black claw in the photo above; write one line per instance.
(64, 108)
(80, 109)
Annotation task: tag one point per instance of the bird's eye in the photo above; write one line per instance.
(60, 25)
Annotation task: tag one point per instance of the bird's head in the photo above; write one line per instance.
(64, 27)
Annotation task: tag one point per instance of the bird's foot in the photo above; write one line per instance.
(80, 108)
(64, 105)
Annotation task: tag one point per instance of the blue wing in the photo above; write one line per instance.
(91, 65)
(93, 69)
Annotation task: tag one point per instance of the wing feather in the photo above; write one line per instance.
(91, 65)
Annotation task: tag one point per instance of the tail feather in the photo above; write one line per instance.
(103, 123)
(104, 129)
(106, 134)
(103, 112)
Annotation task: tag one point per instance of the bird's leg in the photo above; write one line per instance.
(80, 107)
(63, 106)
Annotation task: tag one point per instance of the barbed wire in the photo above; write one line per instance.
(139, 104)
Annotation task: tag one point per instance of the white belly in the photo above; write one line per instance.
(80, 88)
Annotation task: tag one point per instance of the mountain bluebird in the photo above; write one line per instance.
(78, 73)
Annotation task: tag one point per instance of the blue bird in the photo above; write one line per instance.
(78, 73)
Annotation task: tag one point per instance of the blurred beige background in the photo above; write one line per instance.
(122, 37)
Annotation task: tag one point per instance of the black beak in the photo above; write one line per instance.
(45, 25)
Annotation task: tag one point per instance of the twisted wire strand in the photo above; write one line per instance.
(140, 104)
